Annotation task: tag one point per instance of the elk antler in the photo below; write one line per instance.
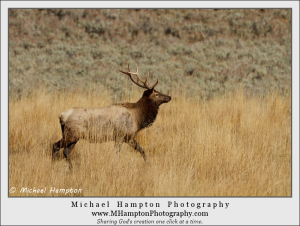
(139, 79)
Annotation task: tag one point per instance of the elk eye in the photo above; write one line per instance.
(156, 94)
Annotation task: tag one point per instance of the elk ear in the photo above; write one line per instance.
(148, 92)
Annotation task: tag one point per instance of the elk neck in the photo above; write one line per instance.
(147, 111)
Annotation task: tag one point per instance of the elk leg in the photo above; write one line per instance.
(56, 147)
(67, 153)
(137, 147)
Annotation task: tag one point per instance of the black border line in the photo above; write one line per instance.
(74, 197)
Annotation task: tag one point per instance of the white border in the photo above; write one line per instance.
(39, 211)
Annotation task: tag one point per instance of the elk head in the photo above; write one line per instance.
(150, 94)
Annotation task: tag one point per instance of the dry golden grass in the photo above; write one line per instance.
(228, 146)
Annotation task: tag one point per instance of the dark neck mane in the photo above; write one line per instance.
(146, 111)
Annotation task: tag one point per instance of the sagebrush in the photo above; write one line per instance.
(209, 51)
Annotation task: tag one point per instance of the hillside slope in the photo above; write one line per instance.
(206, 51)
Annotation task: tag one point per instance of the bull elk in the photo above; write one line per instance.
(117, 122)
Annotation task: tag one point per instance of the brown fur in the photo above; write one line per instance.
(118, 122)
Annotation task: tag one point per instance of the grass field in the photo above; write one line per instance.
(228, 146)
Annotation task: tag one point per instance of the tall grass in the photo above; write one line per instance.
(227, 146)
